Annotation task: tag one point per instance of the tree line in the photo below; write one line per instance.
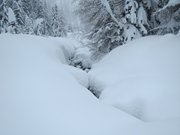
(31, 17)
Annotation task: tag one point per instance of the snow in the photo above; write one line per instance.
(105, 3)
(142, 79)
(41, 95)
(173, 3)
(80, 75)
(68, 46)
(11, 15)
(39, 21)
(142, 19)
(83, 55)
(132, 5)
(178, 33)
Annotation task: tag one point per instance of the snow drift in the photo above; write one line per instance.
(142, 78)
(39, 95)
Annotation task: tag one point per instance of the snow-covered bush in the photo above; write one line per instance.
(82, 59)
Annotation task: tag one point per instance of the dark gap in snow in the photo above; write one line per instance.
(94, 92)
(79, 64)
(90, 88)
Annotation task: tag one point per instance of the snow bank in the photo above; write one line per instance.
(80, 75)
(142, 78)
(40, 96)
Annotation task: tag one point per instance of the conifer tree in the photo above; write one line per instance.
(3, 17)
(19, 17)
(58, 26)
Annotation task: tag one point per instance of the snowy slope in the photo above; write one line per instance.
(40, 95)
(142, 78)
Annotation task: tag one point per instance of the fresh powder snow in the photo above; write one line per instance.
(39, 95)
(142, 78)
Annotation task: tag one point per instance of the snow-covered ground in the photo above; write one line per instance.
(142, 78)
(40, 94)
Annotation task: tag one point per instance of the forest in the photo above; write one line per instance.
(107, 23)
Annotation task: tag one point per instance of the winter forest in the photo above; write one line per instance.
(89, 67)
(31, 17)
(107, 23)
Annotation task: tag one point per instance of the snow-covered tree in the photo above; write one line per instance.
(113, 22)
(131, 7)
(12, 21)
(136, 15)
(110, 23)
(19, 16)
(47, 20)
(38, 26)
(142, 20)
(58, 25)
(100, 23)
(31, 17)
(28, 28)
(168, 17)
(4, 22)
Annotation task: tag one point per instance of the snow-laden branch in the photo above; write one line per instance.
(171, 3)
(105, 3)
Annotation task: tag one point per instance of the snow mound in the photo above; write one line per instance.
(80, 75)
(142, 78)
(40, 96)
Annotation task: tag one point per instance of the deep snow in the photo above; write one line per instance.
(142, 78)
(40, 94)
